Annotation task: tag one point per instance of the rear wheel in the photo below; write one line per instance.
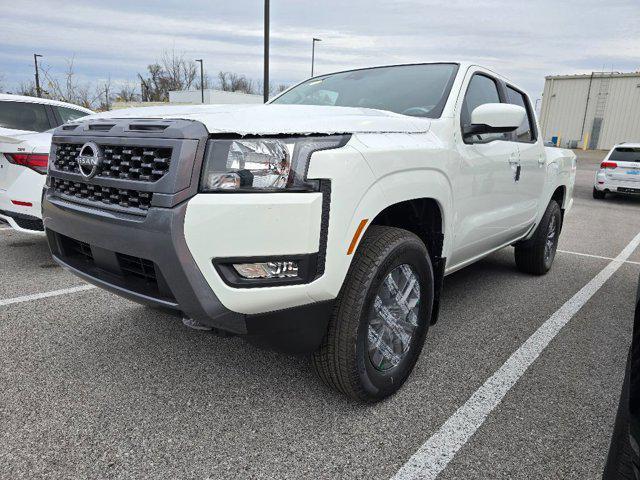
(381, 317)
(599, 194)
(536, 255)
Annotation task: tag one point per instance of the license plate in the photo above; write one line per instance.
(633, 172)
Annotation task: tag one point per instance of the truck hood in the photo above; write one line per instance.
(278, 119)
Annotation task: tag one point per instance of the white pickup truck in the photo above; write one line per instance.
(323, 221)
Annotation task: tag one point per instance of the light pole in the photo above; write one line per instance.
(313, 52)
(201, 79)
(265, 76)
(35, 60)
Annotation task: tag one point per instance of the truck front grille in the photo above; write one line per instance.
(130, 199)
(144, 164)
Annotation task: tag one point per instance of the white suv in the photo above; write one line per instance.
(25, 140)
(619, 171)
(324, 221)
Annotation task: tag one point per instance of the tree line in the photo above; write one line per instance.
(172, 71)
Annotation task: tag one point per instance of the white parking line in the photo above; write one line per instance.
(598, 256)
(436, 453)
(38, 296)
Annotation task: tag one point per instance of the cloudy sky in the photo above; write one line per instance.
(525, 40)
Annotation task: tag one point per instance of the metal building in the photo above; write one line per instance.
(593, 111)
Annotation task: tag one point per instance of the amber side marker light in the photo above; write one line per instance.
(356, 236)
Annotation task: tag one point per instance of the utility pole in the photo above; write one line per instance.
(201, 79)
(313, 52)
(265, 76)
(35, 60)
(106, 95)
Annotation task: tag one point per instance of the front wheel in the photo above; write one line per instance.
(381, 316)
(536, 255)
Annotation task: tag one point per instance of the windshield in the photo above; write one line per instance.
(417, 90)
(625, 154)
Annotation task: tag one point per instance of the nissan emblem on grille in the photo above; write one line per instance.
(89, 159)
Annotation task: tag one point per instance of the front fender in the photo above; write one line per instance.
(369, 175)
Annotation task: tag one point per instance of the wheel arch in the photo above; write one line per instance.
(421, 216)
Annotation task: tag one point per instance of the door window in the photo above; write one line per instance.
(24, 116)
(69, 114)
(526, 131)
(481, 90)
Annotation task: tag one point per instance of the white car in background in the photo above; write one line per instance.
(25, 140)
(619, 171)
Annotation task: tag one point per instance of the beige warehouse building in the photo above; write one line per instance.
(595, 110)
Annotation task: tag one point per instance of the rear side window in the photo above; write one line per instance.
(69, 114)
(24, 116)
(525, 132)
(625, 154)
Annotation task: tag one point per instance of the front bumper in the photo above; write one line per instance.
(147, 260)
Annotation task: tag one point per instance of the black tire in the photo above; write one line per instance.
(531, 255)
(343, 361)
(599, 194)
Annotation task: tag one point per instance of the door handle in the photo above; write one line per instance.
(514, 160)
(541, 159)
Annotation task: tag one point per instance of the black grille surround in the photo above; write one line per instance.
(144, 163)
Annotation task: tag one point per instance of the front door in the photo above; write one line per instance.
(483, 189)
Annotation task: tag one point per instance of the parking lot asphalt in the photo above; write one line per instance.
(94, 386)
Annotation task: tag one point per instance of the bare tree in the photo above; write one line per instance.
(67, 88)
(207, 83)
(127, 93)
(180, 73)
(104, 95)
(232, 82)
(172, 72)
(28, 89)
(273, 88)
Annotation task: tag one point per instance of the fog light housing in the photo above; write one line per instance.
(271, 271)
(281, 269)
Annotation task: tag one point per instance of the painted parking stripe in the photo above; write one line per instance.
(436, 453)
(598, 256)
(38, 296)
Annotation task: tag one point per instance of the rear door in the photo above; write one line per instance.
(627, 160)
(527, 190)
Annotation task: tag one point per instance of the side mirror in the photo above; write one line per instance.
(495, 118)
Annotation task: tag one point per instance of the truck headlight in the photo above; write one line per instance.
(263, 164)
